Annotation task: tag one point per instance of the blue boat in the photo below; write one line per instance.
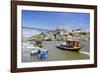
(42, 54)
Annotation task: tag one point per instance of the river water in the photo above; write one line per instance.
(56, 54)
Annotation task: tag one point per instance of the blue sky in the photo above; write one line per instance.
(51, 20)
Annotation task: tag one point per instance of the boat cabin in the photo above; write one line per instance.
(72, 44)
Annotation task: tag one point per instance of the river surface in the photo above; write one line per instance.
(56, 54)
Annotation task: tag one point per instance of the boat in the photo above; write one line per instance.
(34, 51)
(43, 54)
(38, 43)
(71, 45)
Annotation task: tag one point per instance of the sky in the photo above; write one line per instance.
(51, 20)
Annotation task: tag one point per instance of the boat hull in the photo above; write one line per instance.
(69, 49)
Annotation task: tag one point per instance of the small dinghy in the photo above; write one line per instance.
(43, 54)
(34, 51)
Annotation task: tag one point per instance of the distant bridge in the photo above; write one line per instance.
(38, 29)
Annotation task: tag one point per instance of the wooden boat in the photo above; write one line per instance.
(71, 45)
(39, 43)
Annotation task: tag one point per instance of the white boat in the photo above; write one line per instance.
(34, 51)
(37, 50)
